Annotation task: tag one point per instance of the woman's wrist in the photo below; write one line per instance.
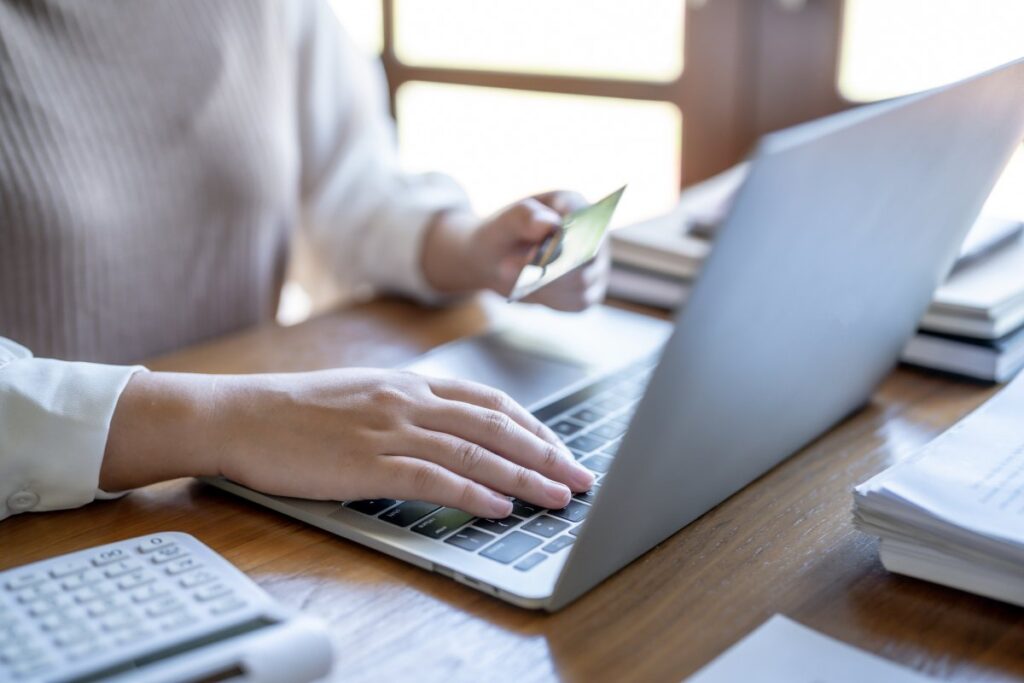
(447, 257)
(164, 427)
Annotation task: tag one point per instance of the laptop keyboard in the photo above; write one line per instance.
(592, 423)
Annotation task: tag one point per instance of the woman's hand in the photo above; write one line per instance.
(462, 255)
(341, 435)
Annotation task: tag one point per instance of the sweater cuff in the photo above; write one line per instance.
(398, 241)
(55, 417)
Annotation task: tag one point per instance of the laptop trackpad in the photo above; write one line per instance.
(536, 354)
(489, 359)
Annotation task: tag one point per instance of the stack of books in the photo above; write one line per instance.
(954, 512)
(974, 326)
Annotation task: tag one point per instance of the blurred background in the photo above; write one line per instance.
(514, 97)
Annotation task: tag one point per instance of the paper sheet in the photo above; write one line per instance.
(783, 651)
(972, 476)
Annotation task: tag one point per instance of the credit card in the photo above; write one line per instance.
(577, 241)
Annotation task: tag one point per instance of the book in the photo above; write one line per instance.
(983, 298)
(970, 326)
(646, 287)
(989, 360)
(676, 243)
(953, 513)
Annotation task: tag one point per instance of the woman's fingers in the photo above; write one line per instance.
(498, 433)
(409, 478)
(492, 399)
(474, 462)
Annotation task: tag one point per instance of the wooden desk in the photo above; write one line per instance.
(784, 544)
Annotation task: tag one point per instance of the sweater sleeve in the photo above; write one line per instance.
(362, 213)
(54, 418)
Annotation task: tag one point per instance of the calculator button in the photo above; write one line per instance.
(31, 669)
(120, 568)
(118, 620)
(183, 565)
(37, 592)
(175, 622)
(95, 592)
(19, 653)
(154, 543)
(197, 578)
(109, 556)
(168, 553)
(147, 593)
(48, 604)
(134, 580)
(78, 653)
(107, 604)
(133, 637)
(226, 605)
(211, 591)
(164, 606)
(25, 580)
(53, 622)
(73, 636)
(79, 580)
(67, 568)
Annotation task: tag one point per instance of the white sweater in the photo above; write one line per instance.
(155, 160)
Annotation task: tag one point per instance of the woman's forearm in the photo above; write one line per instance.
(160, 430)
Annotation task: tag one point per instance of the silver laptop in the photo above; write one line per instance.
(828, 258)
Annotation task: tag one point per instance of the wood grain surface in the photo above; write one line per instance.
(784, 544)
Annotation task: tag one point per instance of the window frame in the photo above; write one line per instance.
(738, 55)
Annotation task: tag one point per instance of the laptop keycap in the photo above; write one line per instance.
(575, 511)
(521, 508)
(585, 443)
(372, 506)
(470, 539)
(497, 526)
(598, 463)
(511, 547)
(558, 544)
(588, 415)
(609, 430)
(530, 562)
(565, 429)
(545, 526)
(587, 496)
(408, 512)
(443, 523)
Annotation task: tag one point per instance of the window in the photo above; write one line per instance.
(894, 47)
(515, 97)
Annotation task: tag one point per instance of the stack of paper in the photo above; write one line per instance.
(954, 513)
(974, 326)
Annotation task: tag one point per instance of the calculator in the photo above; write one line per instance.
(162, 607)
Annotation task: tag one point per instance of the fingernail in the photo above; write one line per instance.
(500, 507)
(582, 477)
(559, 493)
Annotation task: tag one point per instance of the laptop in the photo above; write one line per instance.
(829, 256)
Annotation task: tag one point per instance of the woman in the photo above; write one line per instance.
(155, 161)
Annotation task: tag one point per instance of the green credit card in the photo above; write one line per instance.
(576, 242)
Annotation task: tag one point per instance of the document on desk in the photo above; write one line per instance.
(783, 651)
(953, 513)
(576, 242)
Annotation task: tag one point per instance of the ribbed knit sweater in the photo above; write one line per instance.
(156, 158)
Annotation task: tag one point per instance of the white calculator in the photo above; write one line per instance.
(155, 608)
